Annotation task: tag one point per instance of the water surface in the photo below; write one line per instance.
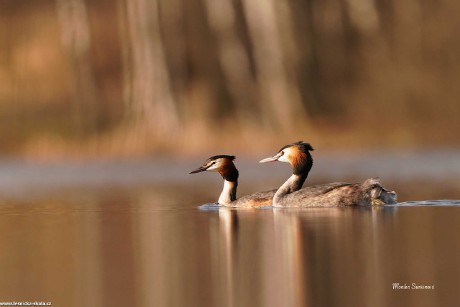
(141, 242)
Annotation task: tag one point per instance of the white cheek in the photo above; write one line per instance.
(212, 168)
(283, 158)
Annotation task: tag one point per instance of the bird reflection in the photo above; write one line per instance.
(228, 229)
(294, 257)
(290, 258)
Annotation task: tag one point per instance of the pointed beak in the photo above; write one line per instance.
(198, 170)
(270, 159)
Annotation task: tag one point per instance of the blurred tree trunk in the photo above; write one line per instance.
(274, 86)
(233, 59)
(148, 95)
(76, 39)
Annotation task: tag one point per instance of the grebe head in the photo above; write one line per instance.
(222, 164)
(296, 154)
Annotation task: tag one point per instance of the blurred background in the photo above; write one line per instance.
(106, 105)
(129, 78)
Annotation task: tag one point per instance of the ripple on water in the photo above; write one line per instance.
(418, 203)
(210, 207)
(438, 203)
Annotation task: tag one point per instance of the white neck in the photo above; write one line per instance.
(294, 183)
(228, 193)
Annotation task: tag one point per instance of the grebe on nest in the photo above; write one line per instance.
(290, 194)
(226, 168)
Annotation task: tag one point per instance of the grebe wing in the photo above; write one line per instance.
(321, 188)
(258, 199)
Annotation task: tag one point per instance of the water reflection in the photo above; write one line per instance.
(329, 257)
(143, 249)
(293, 262)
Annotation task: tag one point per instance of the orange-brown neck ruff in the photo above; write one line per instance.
(301, 161)
(229, 172)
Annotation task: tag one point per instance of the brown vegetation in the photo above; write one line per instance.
(130, 77)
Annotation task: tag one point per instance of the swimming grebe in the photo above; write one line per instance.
(290, 194)
(225, 166)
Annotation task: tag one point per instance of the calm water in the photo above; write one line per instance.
(138, 241)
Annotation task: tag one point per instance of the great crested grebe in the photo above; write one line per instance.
(223, 164)
(290, 194)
